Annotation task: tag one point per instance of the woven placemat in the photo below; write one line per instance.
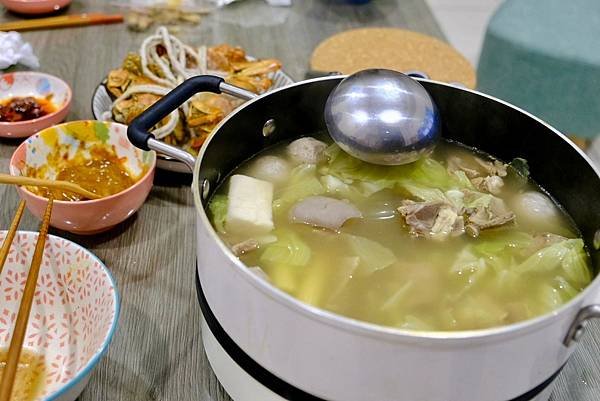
(395, 49)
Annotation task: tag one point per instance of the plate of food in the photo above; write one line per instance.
(164, 61)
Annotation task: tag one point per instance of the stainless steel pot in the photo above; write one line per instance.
(301, 352)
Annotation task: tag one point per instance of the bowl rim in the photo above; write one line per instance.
(376, 331)
(59, 110)
(93, 361)
(34, 1)
(13, 168)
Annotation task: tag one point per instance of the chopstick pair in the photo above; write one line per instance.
(51, 184)
(62, 21)
(18, 336)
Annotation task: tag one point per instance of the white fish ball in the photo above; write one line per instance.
(270, 168)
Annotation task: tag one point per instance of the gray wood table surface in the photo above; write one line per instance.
(157, 353)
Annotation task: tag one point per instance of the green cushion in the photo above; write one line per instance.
(544, 56)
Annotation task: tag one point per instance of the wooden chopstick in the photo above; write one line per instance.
(38, 182)
(10, 235)
(18, 336)
(62, 21)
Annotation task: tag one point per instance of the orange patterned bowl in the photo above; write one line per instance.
(65, 141)
(73, 317)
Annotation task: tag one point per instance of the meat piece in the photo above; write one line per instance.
(306, 150)
(244, 247)
(270, 168)
(493, 168)
(492, 215)
(455, 163)
(325, 212)
(492, 184)
(458, 228)
(472, 230)
(432, 219)
(420, 216)
(444, 222)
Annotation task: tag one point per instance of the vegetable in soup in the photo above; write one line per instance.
(455, 241)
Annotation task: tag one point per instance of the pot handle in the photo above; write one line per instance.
(581, 319)
(138, 131)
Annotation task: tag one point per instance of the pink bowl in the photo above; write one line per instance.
(91, 216)
(35, 6)
(29, 83)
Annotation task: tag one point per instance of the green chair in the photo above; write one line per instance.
(544, 56)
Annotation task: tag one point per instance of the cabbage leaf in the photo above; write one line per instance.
(424, 193)
(218, 209)
(373, 256)
(425, 172)
(303, 182)
(289, 250)
(568, 254)
(495, 242)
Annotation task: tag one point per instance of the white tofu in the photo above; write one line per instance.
(250, 206)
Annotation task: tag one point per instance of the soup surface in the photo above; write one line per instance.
(29, 380)
(454, 241)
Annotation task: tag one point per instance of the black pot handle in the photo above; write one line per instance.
(138, 131)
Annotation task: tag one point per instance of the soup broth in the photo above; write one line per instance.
(454, 241)
(30, 376)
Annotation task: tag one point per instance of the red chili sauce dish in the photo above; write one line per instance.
(18, 108)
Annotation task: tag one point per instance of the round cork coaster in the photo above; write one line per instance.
(394, 49)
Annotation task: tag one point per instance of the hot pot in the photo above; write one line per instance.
(289, 350)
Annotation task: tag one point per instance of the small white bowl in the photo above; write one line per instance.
(74, 314)
(29, 83)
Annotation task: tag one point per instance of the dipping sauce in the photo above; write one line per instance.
(17, 109)
(104, 173)
(31, 372)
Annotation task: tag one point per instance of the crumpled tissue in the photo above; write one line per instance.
(14, 50)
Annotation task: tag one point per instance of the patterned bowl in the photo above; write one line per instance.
(74, 314)
(28, 83)
(91, 216)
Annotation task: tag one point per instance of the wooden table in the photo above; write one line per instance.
(156, 353)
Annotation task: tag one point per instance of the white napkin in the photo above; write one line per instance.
(14, 50)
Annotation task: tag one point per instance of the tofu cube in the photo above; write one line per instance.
(250, 206)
